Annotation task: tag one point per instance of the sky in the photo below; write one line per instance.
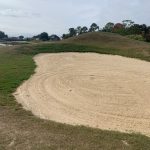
(31, 17)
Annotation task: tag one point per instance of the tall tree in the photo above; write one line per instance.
(44, 36)
(78, 30)
(81, 30)
(117, 27)
(3, 35)
(144, 30)
(108, 27)
(72, 32)
(94, 27)
(134, 29)
(84, 29)
(148, 28)
(128, 23)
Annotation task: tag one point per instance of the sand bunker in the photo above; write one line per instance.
(102, 91)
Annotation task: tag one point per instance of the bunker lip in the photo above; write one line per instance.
(99, 91)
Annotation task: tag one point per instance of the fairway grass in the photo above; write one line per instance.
(19, 129)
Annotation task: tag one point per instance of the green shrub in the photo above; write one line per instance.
(148, 37)
(136, 37)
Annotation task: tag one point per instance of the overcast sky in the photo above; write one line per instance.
(29, 17)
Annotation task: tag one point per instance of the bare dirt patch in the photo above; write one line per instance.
(102, 91)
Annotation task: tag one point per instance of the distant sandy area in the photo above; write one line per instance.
(100, 91)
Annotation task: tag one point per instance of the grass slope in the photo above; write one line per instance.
(108, 40)
(19, 129)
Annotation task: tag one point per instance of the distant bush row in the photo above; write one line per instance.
(126, 28)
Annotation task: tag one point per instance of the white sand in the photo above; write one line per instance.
(102, 91)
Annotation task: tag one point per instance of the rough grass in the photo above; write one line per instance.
(136, 37)
(108, 40)
(14, 69)
(143, 54)
(19, 129)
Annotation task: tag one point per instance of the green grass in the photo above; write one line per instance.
(29, 132)
(143, 54)
(136, 37)
(14, 69)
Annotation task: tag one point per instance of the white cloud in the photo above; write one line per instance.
(17, 13)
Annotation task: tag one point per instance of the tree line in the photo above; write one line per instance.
(126, 28)
(80, 30)
(43, 36)
(4, 37)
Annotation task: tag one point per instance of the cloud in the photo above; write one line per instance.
(17, 13)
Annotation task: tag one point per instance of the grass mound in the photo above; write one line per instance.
(108, 40)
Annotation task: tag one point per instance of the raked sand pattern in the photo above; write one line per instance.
(100, 91)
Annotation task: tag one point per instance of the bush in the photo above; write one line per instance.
(44, 36)
(136, 37)
(148, 37)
